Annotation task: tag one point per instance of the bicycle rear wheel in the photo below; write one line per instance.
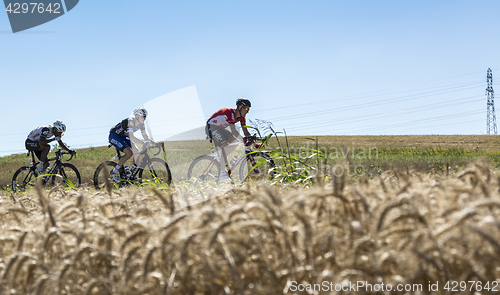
(22, 179)
(65, 175)
(103, 174)
(258, 166)
(204, 168)
(156, 171)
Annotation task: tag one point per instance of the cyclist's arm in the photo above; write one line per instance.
(45, 142)
(146, 137)
(243, 123)
(235, 133)
(245, 131)
(136, 140)
(64, 147)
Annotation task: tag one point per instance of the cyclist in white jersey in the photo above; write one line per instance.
(39, 138)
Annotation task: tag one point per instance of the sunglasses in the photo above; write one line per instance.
(247, 109)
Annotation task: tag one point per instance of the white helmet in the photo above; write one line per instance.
(141, 112)
(59, 126)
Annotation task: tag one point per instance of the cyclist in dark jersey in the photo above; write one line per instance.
(39, 138)
(122, 137)
(217, 132)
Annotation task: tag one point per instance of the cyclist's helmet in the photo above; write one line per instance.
(141, 112)
(243, 102)
(59, 126)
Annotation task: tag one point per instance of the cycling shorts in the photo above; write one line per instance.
(119, 142)
(218, 134)
(33, 146)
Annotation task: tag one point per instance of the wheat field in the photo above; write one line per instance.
(400, 228)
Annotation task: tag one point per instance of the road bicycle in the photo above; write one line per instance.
(60, 174)
(150, 169)
(250, 165)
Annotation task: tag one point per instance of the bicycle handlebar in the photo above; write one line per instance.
(249, 140)
(59, 153)
(254, 138)
(159, 145)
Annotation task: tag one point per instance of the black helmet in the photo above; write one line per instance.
(243, 102)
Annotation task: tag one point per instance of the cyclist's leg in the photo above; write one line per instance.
(223, 159)
(122, 144)
(34, 147)
(40, 153)
(43, 157)
(220, 137)
(135, 152)
(231, 148)
(128, 154)
(226, 146)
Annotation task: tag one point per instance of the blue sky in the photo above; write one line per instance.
(310, 67)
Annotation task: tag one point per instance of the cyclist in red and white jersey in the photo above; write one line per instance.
(217, 132)
(39, 138)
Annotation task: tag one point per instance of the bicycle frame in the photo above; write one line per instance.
(57, 164)
(245, 162)
(144, 161)
(24, 176)
(150, 167)
(247, 155)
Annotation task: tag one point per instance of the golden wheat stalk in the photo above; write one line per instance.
(132, 237)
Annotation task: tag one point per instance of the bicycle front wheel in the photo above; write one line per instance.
(22, 179)
(103, 174)
(156, 171)
(66, 175)
(258, 166)
(204, 168)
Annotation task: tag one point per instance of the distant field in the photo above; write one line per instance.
(466, 142)
(421, 153)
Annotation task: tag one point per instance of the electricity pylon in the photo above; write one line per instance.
(491, 120)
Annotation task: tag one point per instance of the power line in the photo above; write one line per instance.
(399, 112)
(419, 121)
(369, 94)
(380, 102)
(454, 123)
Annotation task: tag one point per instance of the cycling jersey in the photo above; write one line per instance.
(127, 125)
(42, 133)
(225, 116)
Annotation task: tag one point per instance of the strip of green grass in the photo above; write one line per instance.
(369, 160)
